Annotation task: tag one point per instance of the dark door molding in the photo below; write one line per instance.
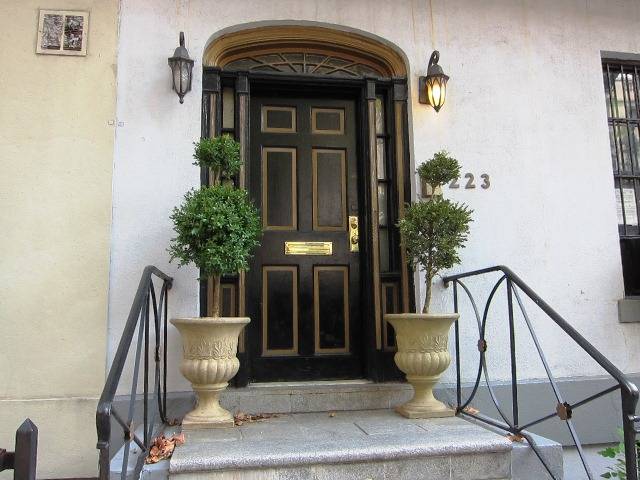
(394, 286)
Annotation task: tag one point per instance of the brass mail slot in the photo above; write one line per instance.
(308, 248)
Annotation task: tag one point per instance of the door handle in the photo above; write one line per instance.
(353, 234)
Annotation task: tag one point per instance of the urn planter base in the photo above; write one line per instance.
(208, 413)
(423, 355)
(209, 347)
(424, 404)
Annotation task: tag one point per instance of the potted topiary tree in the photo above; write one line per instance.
(432, 232)
(216, 228)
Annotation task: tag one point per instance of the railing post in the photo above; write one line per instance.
(24, 462)
(629, 403)
(512, 342)
(457, 340)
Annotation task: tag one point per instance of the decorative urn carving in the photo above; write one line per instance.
(423, 355)
(209, 347)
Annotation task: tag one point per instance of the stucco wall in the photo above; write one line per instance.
(525, 105)
(56, 150)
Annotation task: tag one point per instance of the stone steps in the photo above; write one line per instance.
(303, 397)
(353, 445)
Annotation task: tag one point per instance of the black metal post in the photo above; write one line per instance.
(25, 459)
(514, 366)
(457, 340)
(145, 319)
(629, 404)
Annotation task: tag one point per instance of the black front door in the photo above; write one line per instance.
(303, 288)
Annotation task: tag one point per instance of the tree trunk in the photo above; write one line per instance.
(215, 177)
(427, 297)
(216, 294)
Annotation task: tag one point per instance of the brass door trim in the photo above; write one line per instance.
(354, 234)
(343, 190)
(373, 188)
(404, 267)
(314, 128)
(308, 248)
(316, 307)
(266, 352)
(294, 191)
(263, 119)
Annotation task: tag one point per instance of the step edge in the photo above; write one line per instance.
(363, 453)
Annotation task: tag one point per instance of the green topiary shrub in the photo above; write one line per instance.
(441, 169)
(433, 231)
(220, 154)
(217, 226)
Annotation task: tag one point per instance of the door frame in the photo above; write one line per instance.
(377, 354)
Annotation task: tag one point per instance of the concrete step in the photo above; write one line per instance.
(302, 397)
(354, 445)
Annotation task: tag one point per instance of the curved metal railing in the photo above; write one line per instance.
(563, 410)
(137, 321)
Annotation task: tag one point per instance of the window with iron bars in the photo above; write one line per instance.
(622, 86)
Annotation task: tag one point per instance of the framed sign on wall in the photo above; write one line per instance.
(62, 32)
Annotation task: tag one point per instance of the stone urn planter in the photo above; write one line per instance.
(423, 355)
(209, 347)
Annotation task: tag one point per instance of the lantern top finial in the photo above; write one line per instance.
(181, 53)
(434, 68)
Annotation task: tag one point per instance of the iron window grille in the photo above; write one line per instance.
(622, 87)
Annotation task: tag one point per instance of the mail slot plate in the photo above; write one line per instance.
(308, 248)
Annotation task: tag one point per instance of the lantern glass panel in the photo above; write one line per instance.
(175, 69)
(436, 91)
(185, 77)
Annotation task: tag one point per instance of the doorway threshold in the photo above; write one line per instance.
(315, 396)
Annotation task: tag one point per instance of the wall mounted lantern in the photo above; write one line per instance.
(181, 69)
(433, 87)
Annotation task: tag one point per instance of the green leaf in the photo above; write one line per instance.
(608, 452)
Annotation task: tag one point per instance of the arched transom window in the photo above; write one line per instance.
(307, 50)
(306, 63)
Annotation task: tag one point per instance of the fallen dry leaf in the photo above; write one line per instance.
(241, 418)
(162, 447)
(471, 410)
(332, 414)
(515, 438)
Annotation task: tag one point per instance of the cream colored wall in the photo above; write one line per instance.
(56, 151)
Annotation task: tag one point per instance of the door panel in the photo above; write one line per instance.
(279, 189)
(280, 310)
(303, 177)
(329, 171)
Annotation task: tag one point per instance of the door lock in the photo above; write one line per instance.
(353, 233)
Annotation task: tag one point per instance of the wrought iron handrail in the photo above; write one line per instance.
(138, 319)
(563, 409)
